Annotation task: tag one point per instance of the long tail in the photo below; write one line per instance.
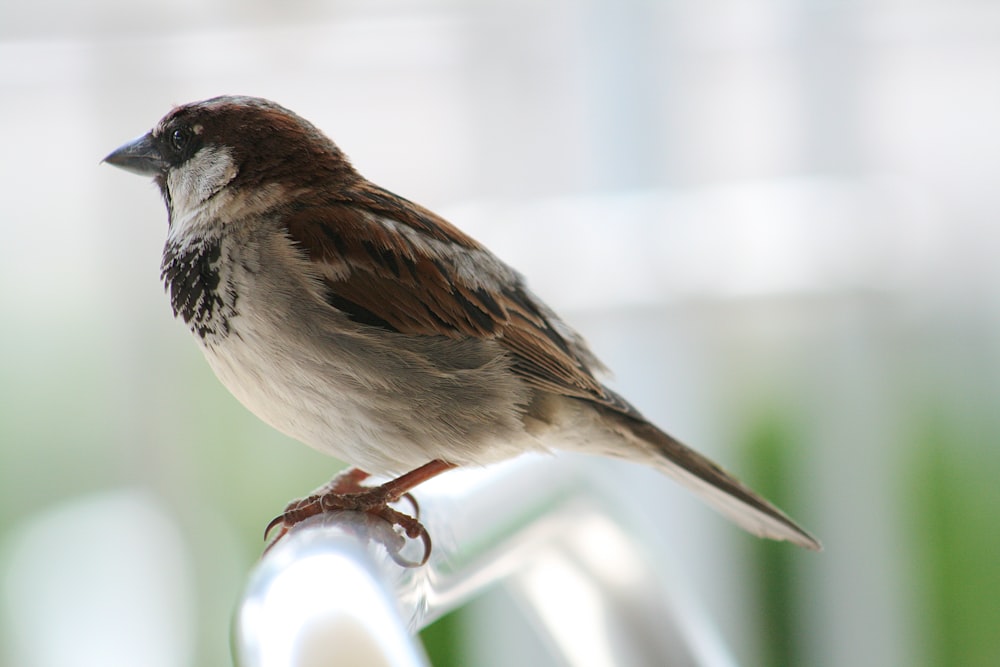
(714, 485)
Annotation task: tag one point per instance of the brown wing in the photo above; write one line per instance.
(394, 264)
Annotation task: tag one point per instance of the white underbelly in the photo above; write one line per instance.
(377, 424)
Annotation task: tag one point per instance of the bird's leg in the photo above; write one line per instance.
(346, 493)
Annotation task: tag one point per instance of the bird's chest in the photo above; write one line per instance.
(242, 310)
(198, 277)
(237, 311)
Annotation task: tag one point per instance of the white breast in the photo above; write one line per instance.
(381, 401)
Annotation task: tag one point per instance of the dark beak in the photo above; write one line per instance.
(140, 156)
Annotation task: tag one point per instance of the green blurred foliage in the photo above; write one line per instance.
(772, 443)
(954, 493)
(442, 640)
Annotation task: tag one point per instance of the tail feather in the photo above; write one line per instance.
(715, 486)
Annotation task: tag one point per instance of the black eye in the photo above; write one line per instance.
(179, 139)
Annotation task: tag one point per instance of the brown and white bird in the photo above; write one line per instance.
(371, 329)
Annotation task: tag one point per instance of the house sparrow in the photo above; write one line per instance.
(371, 329)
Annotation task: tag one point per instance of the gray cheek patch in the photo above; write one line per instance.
(200, 177)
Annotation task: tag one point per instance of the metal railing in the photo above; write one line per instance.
(333, 591)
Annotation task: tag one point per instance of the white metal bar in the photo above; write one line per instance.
(331, 592)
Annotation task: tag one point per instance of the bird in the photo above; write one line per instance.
(373, 330)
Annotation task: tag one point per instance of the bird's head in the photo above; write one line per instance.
(231, 144)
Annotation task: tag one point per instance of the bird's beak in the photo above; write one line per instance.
(140, 156)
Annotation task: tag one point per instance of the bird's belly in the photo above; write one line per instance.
(319, 413)
(370, 404)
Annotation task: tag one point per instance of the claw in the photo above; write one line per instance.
(274, 522)
(412, 528)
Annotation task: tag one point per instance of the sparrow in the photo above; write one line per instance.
(373, 330)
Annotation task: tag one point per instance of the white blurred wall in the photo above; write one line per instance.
(733, 200)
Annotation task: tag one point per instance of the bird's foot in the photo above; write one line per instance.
(345, 492)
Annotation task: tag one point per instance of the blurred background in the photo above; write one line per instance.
(775, 220)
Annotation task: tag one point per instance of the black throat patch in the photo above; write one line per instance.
(198, 293)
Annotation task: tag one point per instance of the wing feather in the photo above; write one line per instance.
(394, 264)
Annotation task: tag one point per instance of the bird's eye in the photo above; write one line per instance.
(179, 139)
